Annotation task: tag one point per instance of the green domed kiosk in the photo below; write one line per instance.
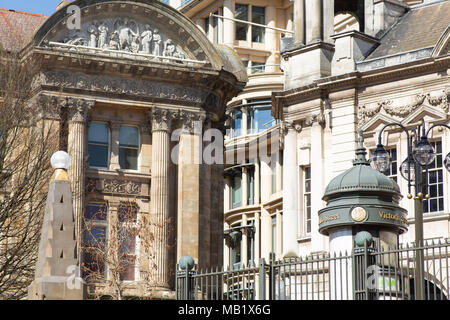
(362, 199)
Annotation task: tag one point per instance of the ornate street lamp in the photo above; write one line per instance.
(420, 155)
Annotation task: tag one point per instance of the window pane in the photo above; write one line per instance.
(258, 67)
(241, 28)
(129, 136)
(98, 133)
(95, 236)
(258, 16)
(98, 156)
(236, 191)
(128, 158)
(263, 119)
(96, 211)
(127, 213)
(236, 123)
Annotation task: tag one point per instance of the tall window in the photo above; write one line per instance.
(128, 147)
(435, 182)
(95, 236)
(258, 16)
(98, 145)
(307, 198)
(392, 171)
(235, 248)
(273, 168)
(236, 123)
(127, 216)
(250, 185)
(241, 28)
(236, 191)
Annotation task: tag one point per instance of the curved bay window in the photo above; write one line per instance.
(98, 145)
(236, 191)
(236, 123)
(259, 116)
(128, 147)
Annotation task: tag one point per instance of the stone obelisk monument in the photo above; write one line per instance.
(57, 269)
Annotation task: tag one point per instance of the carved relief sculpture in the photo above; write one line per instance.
(123, 34)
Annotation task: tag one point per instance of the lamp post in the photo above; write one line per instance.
(420, 155)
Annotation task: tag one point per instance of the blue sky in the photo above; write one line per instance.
(46, 7)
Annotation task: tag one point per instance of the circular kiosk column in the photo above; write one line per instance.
(362, 215)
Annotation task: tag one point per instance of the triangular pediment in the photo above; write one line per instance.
(376, 122)
(428, 113)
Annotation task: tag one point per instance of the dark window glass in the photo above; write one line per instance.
(258, 16)
(307, 198)
(98, 145)
(128, 147)
(241, 28)
(435, 182)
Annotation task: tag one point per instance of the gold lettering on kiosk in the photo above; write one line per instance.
(329, 218)
(392, 216)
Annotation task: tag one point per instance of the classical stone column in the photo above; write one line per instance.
(193, 222)
(229, 25)
(272, 39)
(290, 193)
(159, 191)
(78, 110)
(314, 21)
(299, 21)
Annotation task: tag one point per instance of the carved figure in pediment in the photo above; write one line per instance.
(157, 40)
(135, 45)
(103, 35)
(125, 29)
(169, 48)
(77, 41)
(147, 37)
(93, 33)
(114, 41)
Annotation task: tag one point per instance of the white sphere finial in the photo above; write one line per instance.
(60, 160)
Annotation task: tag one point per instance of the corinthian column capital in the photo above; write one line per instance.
(48, 107)
(78, 108)
(191, 120)
(161, 119)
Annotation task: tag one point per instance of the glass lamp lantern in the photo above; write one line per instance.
(424, 152)
(380, 159)
(408, 165)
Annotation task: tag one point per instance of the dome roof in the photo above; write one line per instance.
(361, 178)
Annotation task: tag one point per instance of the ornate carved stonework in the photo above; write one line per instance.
(162, 119)
(115, 186)
(123, 34)
(401, 110)
(113, 85)
(49, 106)
(191, 120)
(78, 108)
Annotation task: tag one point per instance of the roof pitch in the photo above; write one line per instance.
(419, 28)
(17, 27)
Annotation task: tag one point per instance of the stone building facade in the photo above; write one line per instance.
(316, 108)
(118, 79)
